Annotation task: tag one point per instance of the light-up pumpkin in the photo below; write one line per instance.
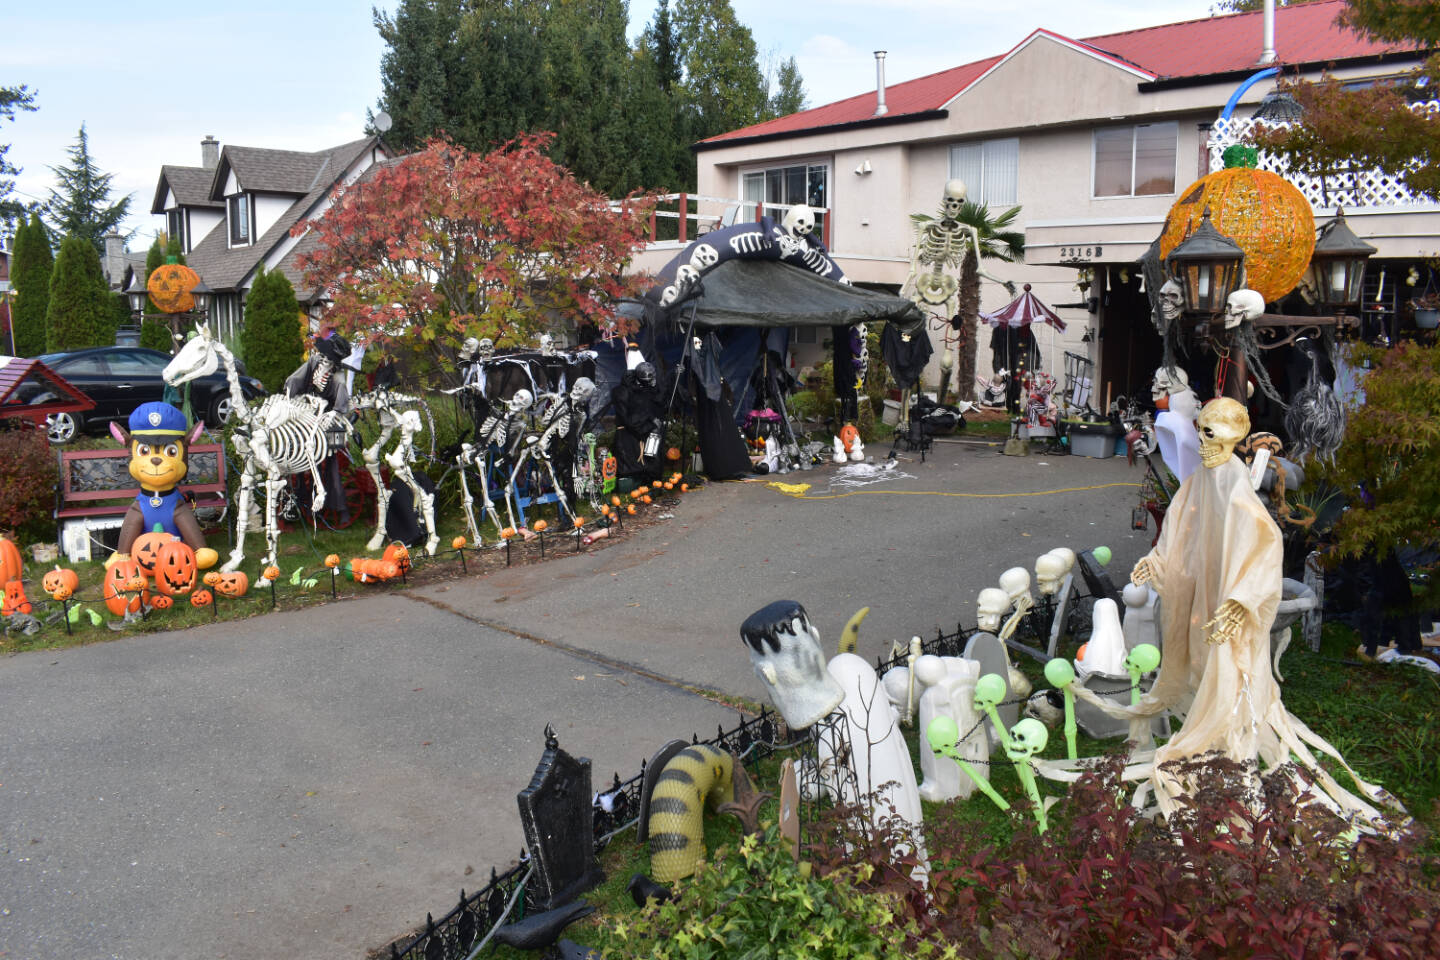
(1265, 214)
(212, 578)
(332, 560)
(201, 598)
(366, 569)
(458, 543)
(609, 468)
(235, 584)
(672, 454)
(11, 566)
(175, 569)
(116, 587)
(146, 549)
(507, 533)
(170, 285)
(398, 554)
(162, 601)
(579, 522)
(271, 572)
(540, 526)
(15, 600)
(60, 578)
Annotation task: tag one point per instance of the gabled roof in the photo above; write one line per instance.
(1305, 34)
(259, 170)
(191, 186)
(22, 379)
(223, 268)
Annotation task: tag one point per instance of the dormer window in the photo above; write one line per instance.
(239, 216)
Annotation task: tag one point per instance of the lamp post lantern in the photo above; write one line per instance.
(1337, 267)
(1207, 266)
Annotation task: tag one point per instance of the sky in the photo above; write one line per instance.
(150, 80)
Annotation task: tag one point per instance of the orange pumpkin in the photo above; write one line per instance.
(146, 549)
(615, 501)
(331, 560)
(116, 591)
(175, 569)
(235, 584)
(1262, 212)
(271, 572)
(579, 522)
(672, 453)
(540, 526)
(162, 601)
(170, 285)
(201, 598)
(458, 543)
(212, 578)
(507, 533)
(609, 467)
(62, 592)
(646, 498)
(58, 578)
(11, 566)
(630, 509)
(848, 436)
(15, 600)
(398, 554)
(684, 488)
(365, 569)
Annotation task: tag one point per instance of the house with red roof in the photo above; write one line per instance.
(1094, 139)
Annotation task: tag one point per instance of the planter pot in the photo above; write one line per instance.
(1427, 319)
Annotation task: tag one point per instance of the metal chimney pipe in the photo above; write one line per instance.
(1267, 53)
(880, 108)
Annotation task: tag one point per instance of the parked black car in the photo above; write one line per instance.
(119, 379)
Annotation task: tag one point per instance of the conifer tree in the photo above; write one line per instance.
(154, 333)
(30, 271)
(81, 312)
(80, 203)
(270, 337)
(12, 100)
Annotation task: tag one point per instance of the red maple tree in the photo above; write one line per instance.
(441, 244)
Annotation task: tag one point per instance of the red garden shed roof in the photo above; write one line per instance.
(22, 379)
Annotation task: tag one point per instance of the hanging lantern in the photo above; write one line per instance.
(171, 287)
(1207, 268)
(1337, 267)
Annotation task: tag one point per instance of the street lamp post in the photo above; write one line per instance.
(1208, 265)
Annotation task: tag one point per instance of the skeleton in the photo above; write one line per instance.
(1016, 584)
(1172, 302)
(284, 435)
(564, 415)
(1242, 309)
(505, 423)
(942, 243)
(1050, 572)
(398, 410)
(547, 345)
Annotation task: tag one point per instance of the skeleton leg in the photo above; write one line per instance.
(273, 486)
(467, 455)
(242, 516)
(559, 491)
(382, 492)
(510, 493)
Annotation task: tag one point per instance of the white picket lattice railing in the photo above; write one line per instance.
(1345, 186)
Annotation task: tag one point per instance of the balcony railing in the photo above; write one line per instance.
(681, 217)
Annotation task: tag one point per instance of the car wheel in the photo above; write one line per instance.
(61, 428)
(220, 410)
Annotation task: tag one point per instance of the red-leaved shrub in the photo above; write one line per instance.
(28, 477)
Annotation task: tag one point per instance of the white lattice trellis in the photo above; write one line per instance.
(1347, 186)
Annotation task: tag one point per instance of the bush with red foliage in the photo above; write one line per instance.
(1241, 871)
(28, 478)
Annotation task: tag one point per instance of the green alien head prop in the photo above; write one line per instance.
(1144, 658)
(943, 733)
(989, 691)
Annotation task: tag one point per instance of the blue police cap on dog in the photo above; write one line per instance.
(158, 418)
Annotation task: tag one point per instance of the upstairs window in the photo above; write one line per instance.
(989, 169)
(175, 226)
(805, 183)
(239, 216)
(1136, 161)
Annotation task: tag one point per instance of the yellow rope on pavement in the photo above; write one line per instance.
(942, 493)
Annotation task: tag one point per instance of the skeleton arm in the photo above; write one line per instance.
(974, 236)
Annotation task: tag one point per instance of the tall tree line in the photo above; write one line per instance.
(482, 71)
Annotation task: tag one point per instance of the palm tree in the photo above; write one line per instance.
(998, 241)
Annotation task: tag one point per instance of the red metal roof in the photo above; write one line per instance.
(20, 378)
(1305, 33)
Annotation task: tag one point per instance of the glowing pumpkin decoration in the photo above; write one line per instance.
(60, 577)
(235, 584)
(579, 522)
(170, 285)
(398, 554)
(672, 454)
(615, 501)
(11, 566)
(271, 572)
(146, 549)
(15, 600)
(176, 569)
(162, 601)
(507, 533)
(630, 509)
(62, 592)
(541, 526)
(212, 579)
(116, 590)
(366, 569)
(1266, 215)
(848, 436)
(201, 598)
(684, 488)
(609, 468)
(458, 543)
(332, 561)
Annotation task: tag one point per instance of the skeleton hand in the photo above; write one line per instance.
(1226, 623)
(1145, 570)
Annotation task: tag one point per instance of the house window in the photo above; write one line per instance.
(239, 216)
(175, 226)
(806, 183)
(990, 170)
(1136, 161)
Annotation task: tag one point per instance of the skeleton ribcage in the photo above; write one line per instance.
(296, 444)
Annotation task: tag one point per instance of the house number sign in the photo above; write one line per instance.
(1080, 253)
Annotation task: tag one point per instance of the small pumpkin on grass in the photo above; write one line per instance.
(201, 598)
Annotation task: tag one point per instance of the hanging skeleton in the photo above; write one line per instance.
(499, 431)
(563, 414)
(1242, 309)
(398, 411)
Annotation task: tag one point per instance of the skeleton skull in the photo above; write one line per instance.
(799, 221)
(1172, 300)
(468, 349)
(1016, 584)
(1050, 570)
(521, 401)
(645, 374)
(1243, 305)
(581, 391)
(1027, 738)
(1223, 423)
(547, 345)
(953, 199)
(1168, 380)
(704, 256)
(785, 651)
(992, 605)
(790, 247)
(486, 349)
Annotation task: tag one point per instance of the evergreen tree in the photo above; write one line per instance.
(12, 100)
(722, 83)
(81, 313)
(172, 249)
(80, 204)
(659, 39)
(586, 65)
(154, 333)
(30, 270)
(789, 95)
(270, 337)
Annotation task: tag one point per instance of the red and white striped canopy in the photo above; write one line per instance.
(1023, 311)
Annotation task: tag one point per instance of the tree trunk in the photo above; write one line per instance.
(969, 336)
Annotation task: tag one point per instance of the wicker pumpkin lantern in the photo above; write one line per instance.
(170, 285)
(1266, 215)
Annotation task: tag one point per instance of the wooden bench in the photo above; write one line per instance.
(96, 489)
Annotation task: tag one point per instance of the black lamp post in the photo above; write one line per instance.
(139, 295)
(1207, 266)
(1337, 267)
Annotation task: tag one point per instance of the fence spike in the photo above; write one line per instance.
(615, 781)
(429, 925)
(462, 898)
(494, 877)
(694, 739)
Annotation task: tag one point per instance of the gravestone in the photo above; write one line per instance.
(558, 818)
(1064, 602)
(989, 651)
(1097, 581)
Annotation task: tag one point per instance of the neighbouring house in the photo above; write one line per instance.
(235, 211)
(1094, 139)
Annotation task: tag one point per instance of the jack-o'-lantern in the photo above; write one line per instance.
(116, 590)
(398, 554)
(161, 601)
(170, 285)
(458, 543)
(646, 498)
(331, 560)
(175, 569)
(684, 488)
(271, 572)
(146, 549)
(672, 454)
(609, 468)
(62, 593)
(507, 533)
(201, 598)
(615, 501)
(848, 436)
(60, 577)
(540, 526)
(235, 584)
(11, 566)
(15, 600)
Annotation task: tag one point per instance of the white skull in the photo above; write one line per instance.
(1016, 584)
(1223, 423)
(799, 221)
(581, 391)
(1067, 555)
(992, 604)
(668, 295)
(486, 349)
(704, 256)
(1050, 570)
(547, 345)
(1168, 380)
(1243, 305)
(1027, 738)
(785, 651)
(954, 198)
(521, 401)
(1040, 707)
(468, 349)
(1172, 300)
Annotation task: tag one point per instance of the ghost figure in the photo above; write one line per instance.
(785, 653)
(1175, 433)
(1243, 305)
(704, 256)
(799, 221)
(949, 690)
(1172, 301)
(991, 606)
(1105, 650)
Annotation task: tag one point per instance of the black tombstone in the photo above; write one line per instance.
(557, 816)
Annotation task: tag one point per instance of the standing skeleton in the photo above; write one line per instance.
(398, 411)
(283, 436)
(502, 429)
(564, 417)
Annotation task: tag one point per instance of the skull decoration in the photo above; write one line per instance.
(1050, 571)
(521, 401)
(547, 345)
(1016, 584)
(486, 349)
(581, 391)
(1027, 738)
(1168, 380)
(784, 649)
(1243, 305)
(704, 256)
(645, 374)
(468, 349)
(1223, 423)
(953, 199)
(992, 603)
(799, 221)
(1172, 300)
